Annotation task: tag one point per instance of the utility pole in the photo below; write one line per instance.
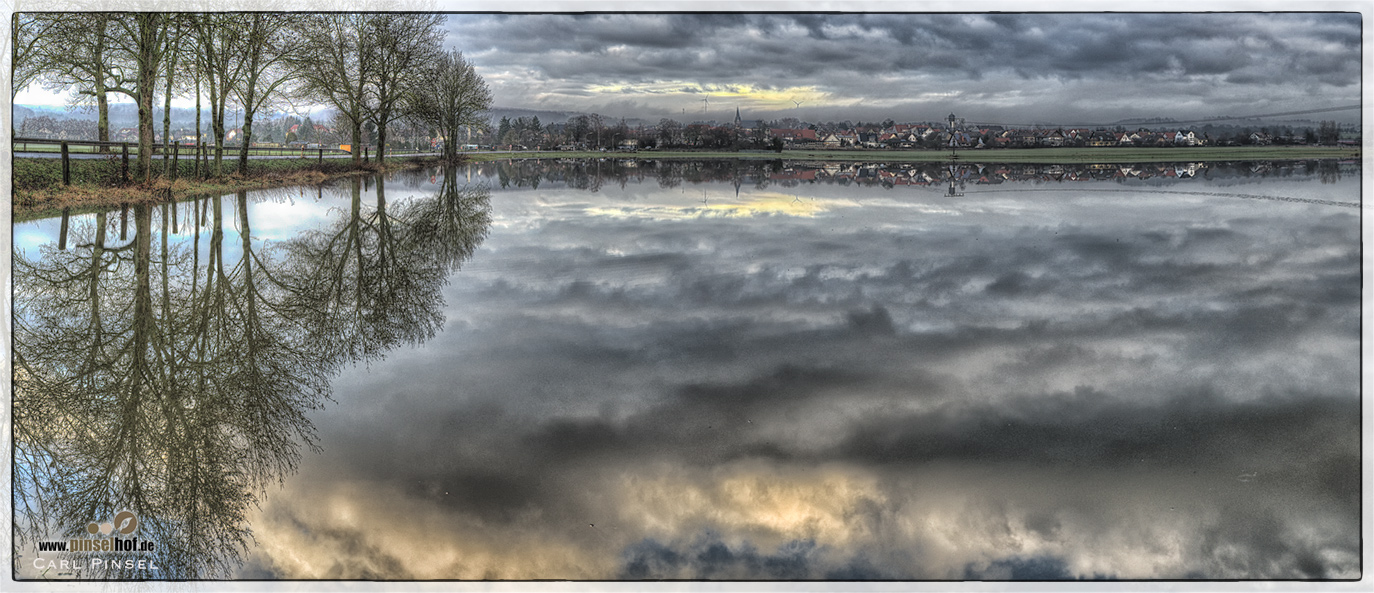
(953, 138)
(953, 155)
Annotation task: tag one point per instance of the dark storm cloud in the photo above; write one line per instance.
(1040, 568)
(1091, 428)
(1125, 64)
(708, 557)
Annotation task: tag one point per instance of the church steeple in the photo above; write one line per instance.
(739, 122)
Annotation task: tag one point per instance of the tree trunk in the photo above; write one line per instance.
(175, 42)
(217, 126)
(357, 143)
(243, 142)
(381, 143)
(450, 144)
(102, 126)
(102, 103)
(167, 120)
(249, 97)
(145, 131)
(148, 50)
(248, 111)
(197, 153)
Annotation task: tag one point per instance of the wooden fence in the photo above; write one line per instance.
(200, 151)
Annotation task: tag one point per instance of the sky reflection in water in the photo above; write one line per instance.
(768, 378)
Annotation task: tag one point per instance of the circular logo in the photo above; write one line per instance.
(119, 522)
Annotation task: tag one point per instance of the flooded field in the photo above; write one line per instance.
(628, 369)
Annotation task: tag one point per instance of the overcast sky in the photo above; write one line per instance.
(1072, 68)
(998, 68)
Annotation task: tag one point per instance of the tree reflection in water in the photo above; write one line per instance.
(150, 381)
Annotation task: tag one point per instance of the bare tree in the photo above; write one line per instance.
(218, 38)
(269, 63)
(668, 131)
(141, 40)
(333, 67)
(598, 124)
(452, 97)
(174, 42)
(30, 39)
(72, 51)
(402, 46)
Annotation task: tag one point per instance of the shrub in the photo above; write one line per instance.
(35, 174)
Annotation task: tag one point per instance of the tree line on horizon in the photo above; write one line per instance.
(600, 131)
(373, 70)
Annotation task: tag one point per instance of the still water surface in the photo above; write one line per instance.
(711, 370)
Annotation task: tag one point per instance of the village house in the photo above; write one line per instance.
(793, 136)
(1101, 138)
(1052, 138)
(1187, 138)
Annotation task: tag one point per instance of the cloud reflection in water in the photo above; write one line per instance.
(886, 383)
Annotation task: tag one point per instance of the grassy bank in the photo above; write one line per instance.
(38, 189)
(1008, 155)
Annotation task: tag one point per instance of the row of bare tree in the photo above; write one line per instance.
(374, 68)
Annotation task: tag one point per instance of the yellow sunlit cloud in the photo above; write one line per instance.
(758, 96)
(747, 205)
(931, 523)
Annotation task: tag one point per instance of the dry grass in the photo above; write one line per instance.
(32, 203)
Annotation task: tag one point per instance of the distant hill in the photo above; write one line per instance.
(545, 117)
(122, 115)
(125, 115)
(1224, 121)
(557, 117)
(1144, 121)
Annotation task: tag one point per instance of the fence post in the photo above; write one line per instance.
(321, 155)
(176, 155)
(62, 238)
(66, 165)
(364, 154)
(125, 169)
